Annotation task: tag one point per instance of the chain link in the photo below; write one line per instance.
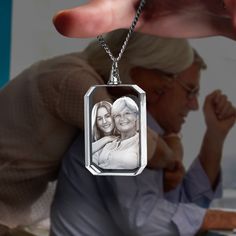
(131, 30)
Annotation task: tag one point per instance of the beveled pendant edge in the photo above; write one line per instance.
(143, 137)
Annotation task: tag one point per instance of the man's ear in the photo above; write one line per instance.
(150, 81)
(142, 77)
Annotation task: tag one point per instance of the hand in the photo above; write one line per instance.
(174, 143)
(162, 159)
(180, 18)
(172, 178)
(99, 144)
(169, 151)
(218, 220)
(108, 139)
(163, 156)
(220, 114)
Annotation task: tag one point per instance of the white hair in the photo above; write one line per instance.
(168, 55)
(123, 102)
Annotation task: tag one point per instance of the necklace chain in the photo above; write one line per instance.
(115, 72)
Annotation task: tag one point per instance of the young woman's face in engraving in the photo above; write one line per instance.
(125, 120)
(104, 121)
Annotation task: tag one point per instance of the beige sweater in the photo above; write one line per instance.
(41, 111)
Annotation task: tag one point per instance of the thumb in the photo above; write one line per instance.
(82, 21)
(94, 18)
(211, 98)
(232, 120)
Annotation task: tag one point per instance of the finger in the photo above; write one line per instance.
(231, 112)
(217, 94)
(231, 120)
(227, 111)
(94, 18)
(224, 113)
(221, 103)
(82, 21)
(211, 99)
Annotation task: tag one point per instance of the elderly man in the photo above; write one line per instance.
(89, 205)
(43, 110)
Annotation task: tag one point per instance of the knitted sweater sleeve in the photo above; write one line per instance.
(63, 94)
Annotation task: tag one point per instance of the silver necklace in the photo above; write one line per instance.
(115, 78)
(122, 114)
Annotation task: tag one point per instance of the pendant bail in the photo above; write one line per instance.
(114, 76)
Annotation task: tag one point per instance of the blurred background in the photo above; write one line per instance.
(28, 35)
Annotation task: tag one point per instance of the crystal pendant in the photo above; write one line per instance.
(115, 130)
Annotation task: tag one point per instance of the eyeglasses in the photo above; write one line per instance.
(191, 92)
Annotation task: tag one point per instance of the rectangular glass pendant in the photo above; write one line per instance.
(115, 130)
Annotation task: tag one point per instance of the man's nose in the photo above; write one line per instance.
(193, 104)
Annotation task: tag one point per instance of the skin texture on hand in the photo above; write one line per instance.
(169, 150)
(172, 178)
(219, 113)
(180, 18)
(169, 156)
(219, 220)
(162, 157)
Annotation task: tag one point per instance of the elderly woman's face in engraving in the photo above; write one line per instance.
(104, 121)
(125, 120)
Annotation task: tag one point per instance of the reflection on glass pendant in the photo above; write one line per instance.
(115, 130)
